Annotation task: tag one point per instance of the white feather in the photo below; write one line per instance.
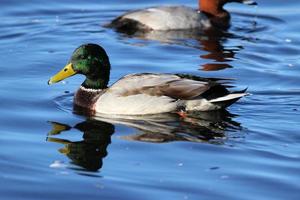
(169, 18)
(113, 101)
(228, 97)
(140, 104)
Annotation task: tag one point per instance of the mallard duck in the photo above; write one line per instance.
(140, 94)
(210, 13)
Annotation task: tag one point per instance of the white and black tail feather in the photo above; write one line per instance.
(218, 92)
(229, 99)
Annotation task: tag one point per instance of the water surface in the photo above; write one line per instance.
(50, 152)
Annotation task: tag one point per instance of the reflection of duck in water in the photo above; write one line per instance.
(165, 18)
(141, 94)
(212, 43)
(89, 152)
(195, 127)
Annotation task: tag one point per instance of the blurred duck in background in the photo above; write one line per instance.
(210, 14)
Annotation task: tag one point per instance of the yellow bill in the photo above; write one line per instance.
(66, 72)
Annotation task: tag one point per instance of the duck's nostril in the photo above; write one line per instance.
(65, 69)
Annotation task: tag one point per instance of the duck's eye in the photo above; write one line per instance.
(81, 57)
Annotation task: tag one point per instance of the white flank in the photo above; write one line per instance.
(116, 101)
(140, 104)
(170, 18)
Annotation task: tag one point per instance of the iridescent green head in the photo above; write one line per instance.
(90, 60)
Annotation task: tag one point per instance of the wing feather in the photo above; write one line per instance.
(160, 85)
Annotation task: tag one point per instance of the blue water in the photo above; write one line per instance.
(47, 151)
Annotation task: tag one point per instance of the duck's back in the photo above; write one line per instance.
(162, 18)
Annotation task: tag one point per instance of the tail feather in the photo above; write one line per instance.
(229, 99)
(240, 91)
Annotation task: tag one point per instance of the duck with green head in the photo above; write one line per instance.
(140, 94)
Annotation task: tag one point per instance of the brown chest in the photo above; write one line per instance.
(86, 98)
